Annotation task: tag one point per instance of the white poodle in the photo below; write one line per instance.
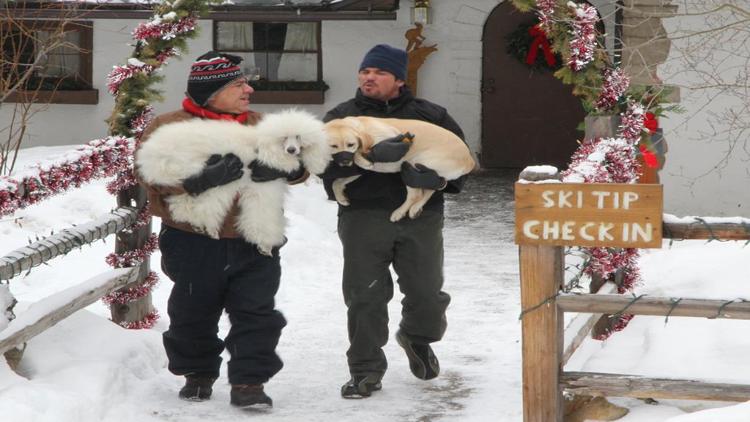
(281, 140)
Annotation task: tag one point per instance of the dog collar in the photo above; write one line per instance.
(196, 110)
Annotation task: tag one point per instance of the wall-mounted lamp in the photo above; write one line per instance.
(421, 12)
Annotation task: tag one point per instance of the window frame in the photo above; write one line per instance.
(284, 92)
(87, 95)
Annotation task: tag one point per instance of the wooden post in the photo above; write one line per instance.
(136, 310)
(541, 270)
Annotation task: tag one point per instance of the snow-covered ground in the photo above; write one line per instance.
(88, 369)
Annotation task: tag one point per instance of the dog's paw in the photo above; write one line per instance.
(265, 250)
(363, 162)
(397, 215)
(415, 212)
(343, 200)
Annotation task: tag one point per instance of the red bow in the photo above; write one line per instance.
(649, 157)
(540, 40)
(196, 110)
(650, 122)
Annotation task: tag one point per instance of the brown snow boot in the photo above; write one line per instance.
(249, 396)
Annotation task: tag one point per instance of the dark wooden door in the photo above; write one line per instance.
(528, 116)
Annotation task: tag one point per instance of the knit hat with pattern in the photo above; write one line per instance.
(210, 73)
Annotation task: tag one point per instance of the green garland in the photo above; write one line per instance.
(588, 81)
(137, 93)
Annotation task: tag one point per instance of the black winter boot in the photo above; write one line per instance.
(197, 388)
(422, 361)
(359, 387)
(249, 396)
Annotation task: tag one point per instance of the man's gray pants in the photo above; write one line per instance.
(371, 243)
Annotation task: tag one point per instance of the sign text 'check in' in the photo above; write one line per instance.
(573, 214)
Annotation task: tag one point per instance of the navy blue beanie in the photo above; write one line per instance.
(387, 58)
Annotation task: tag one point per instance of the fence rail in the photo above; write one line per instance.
(547, 344)
(51, 310)
(597, 384)
(699, 228)
(644, 305)
(37, 253)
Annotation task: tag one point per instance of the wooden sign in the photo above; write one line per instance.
(589, 214)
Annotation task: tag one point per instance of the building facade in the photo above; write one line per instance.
(497, 101)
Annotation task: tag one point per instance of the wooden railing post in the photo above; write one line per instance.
(136, 310)
(541, 269)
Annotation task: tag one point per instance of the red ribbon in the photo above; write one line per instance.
(650, 122)
(540, 40)
(649, 157)
(196, 110)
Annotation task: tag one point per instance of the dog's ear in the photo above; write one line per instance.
(365, 139)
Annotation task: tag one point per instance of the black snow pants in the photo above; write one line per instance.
(210, 276)
(371, 243)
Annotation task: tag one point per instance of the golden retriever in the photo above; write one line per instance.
(432, 146)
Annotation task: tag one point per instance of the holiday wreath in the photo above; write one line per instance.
(530, 45)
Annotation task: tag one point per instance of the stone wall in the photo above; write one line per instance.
(644, 39)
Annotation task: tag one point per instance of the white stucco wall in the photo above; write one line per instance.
(707, 171)
(450, 77)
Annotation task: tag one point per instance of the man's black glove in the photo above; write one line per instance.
(335, 171)
(390, 150)
(259, 172)
(422, 177)
(219, 170)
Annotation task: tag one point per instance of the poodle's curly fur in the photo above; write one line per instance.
(280, 140)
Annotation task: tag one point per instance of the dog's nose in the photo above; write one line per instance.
(291, 150)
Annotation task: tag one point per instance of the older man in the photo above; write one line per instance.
(371, 243)
(225, 274)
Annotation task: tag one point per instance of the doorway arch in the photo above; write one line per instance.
(528, 116)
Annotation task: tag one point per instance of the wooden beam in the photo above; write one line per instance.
(700, 230)
(391, 5)
(49, 311)
(598, 384)
(541, 269)
(228, 14)
(293, 16)
(37, 253)
(622, 304)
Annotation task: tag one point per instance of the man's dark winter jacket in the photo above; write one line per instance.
(387, 190)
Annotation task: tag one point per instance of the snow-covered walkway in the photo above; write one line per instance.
(86, 369)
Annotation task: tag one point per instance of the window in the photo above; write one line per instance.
(277, 57)
(62, 52)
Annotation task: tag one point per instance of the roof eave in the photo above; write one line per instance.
(346, 10)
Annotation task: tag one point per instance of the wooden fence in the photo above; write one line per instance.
(544, 348)
(47, 312)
